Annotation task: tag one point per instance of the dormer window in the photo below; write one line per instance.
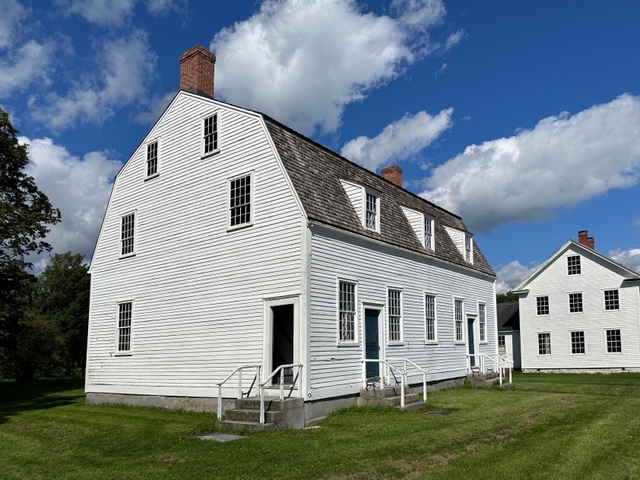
(372, 211)
(428, 232)
(468, 248)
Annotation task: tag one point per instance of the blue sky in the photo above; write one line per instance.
(522, 117)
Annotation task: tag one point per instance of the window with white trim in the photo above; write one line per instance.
(544, 344)
(573, 265)
(458, 314)
(347, 311)
(575, 302)
(125, 311)
(152, 159)
(127, 234)
(611, 300)
(240, 201)
(372, 211)
(542, 305)
(394, 312)
(614, 341)
(428, 232)
(577, 342)
(482, 321)
(468, 248)
(430, 317)
(502, 345)
(210, 134)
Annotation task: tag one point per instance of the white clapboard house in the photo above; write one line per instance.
(231, 240)
(580, 311)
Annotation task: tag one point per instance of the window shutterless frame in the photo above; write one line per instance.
(124, 325)
(210, 134)
(430, 318)
(458, 317)
(371, 211)
(394, 315)
(347, 312)
(428, 232)
(241, 199)
(152, 159)
(482, 322)
(128, 231)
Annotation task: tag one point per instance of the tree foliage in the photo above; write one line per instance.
(506, 297)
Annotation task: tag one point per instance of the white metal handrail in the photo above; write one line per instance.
(403, 376)
(498, 361)
(420, 369)
(280, 370)
(503, 360)
(239, 372)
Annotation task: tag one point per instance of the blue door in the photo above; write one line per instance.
(372, 347)
(472, 346)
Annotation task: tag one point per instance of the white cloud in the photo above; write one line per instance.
(124, 68)
(629, 258)
(561, 162)
(100, 12)
(156, 107)
(80, 188)
(511, 275)
(13, 13)
(26, 65)
(304, 61)
(399, 140)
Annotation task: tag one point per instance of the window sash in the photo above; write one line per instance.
(210, 133)
(127, 234)
(394, 312)
(614, 341)
(124, 326)
(152, 159)
(240, 201)
(542, 305)
(467, 248)
(428, 233)
(544, 344)
(573, 265)
(575, 303)
(577, 342)
(502, 345)
(482, 323)
(611, 300)
(458, 321)
(371, 211)
(347, 312)
(430, 316)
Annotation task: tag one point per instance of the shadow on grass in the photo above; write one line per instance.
(16, 397)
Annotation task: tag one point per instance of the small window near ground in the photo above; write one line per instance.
(210, 134)
(240, 201)
(611, 300)
(152, 159)
(124, 326)
(573, 265)
(544, 344)
(542, 305)
(372, 216)
(347, 312)
(614, 341)
(502, 345)
(430, 317)
(575, 302)
(458, 312)
(395, 315)
(482, 322)
(127, 234)
(577, 342)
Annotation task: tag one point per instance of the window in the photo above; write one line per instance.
(542, 304)
(347, 312)
(502, 345)
(394, 309)
(124, 326)
(152, 159)
(458, 321)
(210, 134)
(614, 342)
(430, 317)
(468, 248)
(371, 211)
(482, 322)
(611, 301)
(577, 342)
(240, 201)
(127, 234)
(573, 265)
(428, 233)
(544, 344)
(575, 302)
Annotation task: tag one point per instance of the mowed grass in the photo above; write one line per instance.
(548, 426)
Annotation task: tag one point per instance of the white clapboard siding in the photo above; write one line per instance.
(336, 368)
(355, 193)
(197, 289)
(458, 239)
(597, 275)
(416, 220)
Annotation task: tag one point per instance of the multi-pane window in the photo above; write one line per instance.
(240, 201)
(210, 134)
(468, 256)
(371, 211)
(573, 265)
(152, 159)
(611, 300)
(502, 345)
(482, 322)
(544, 344)
(127, 234)
(614, 341)
(430, 316)
(428, 233)
(458, 321)
(124, 326)
(542, 305)
(395, 315)
(577, 342)
(347, 311)
(575, 302)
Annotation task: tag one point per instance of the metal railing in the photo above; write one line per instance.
(419, 368)
(403, 376)
(280, 370)
(504, 362)
(483, 361)
(240, 392)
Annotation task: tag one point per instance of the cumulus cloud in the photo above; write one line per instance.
(511, 275)
(304, 61)
(28, 64)
(119, 79)
(13, 13)
(399, 140)
(100, 12)
(561, 162)
(155, 108)
(629, 258)
(79, 187)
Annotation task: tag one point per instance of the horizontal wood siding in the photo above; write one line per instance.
(416, 220)
(458, 239)
(356, 196)
(596, 276)
(197, 289)
(337, 368)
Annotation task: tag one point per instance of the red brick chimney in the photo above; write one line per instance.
(196, 71)
(585, 239)
(393, 174)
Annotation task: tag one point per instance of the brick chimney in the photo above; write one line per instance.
(196, 71)
(585, 239)
(393, 174)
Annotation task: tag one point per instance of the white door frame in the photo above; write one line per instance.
(267, 333)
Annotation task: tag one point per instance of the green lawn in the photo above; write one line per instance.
(548, 426)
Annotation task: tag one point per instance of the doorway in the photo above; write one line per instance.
(472, 343)
(282, 340)
(372, 342)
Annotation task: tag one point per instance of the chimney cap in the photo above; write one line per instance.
(197, 68)
(197, 49)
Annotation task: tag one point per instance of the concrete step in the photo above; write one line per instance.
(381, 392)
(411, 406)
(270, 403)
(251, 415)
(389, 401)
(248, 426)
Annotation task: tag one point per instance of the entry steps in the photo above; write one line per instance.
(287, 413)
(489, 379)
(388, 397)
